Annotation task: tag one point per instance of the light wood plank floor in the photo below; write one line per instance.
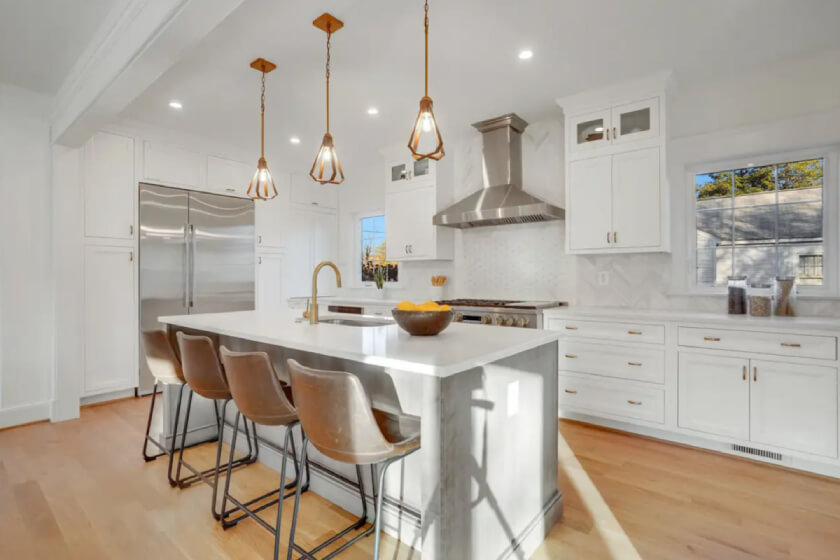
(80, 490)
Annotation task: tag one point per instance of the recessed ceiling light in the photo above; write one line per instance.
(175, 104)
(294, 140)
(373, 111)
(525, 54)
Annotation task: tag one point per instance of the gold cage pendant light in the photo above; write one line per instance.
(425, 141)
(262, 184)
(326, 168)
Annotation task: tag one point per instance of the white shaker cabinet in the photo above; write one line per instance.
(794, 406)
(312, 238)
(714, 395)
(590, 194)
(271, 217)
(636, 199)
(109, 186)
(270, 281)
(110, 319)
(409, 232)
(229, 177)
(172, 166)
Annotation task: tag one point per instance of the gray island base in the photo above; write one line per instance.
(484, 483)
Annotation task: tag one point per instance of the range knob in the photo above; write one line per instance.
(500, 320)
(521, 322)
(485, 319)
(509, 322)
(458, 318)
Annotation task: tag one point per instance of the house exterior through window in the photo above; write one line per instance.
(760, 221)
(373, 249)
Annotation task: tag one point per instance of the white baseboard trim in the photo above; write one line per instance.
(789, 461)
(400, 523)
(24, 414)
(107, 396)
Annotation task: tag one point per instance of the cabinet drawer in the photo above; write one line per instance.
(627, 362)
(617, 398)
(629, 332)
(777, 344)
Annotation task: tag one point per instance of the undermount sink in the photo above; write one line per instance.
(357, 322)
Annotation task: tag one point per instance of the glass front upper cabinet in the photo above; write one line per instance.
(635, 121)
(591, 130)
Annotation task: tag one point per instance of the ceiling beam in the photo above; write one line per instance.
(135, 45)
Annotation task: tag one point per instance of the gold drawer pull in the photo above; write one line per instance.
(636, 403)
(636, 364)
(571, 356)
(571, 392)
(711, 339)
(571, 328)
(791, 345)
(634, 332)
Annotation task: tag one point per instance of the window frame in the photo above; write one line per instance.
(357, 250)
(831, 263)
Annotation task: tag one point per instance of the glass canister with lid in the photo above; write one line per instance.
(761, 300)
(737, 295)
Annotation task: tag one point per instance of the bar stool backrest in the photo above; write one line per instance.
(336, 415)
(201, 366)
(163, 363)
(256, 389)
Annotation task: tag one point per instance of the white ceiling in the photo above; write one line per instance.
(475, 72)
(40, 40)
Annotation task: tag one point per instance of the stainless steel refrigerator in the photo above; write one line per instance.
(196, 256)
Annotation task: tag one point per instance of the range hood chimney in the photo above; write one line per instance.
(502, 200)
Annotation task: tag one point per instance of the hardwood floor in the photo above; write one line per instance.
(80, 490)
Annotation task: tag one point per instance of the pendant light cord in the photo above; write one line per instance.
(329, 36)
(262, 117)
(426, 25)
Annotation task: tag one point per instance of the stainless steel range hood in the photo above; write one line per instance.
(502, 200)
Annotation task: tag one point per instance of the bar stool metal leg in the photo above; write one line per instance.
(172, 481)
(148, 438)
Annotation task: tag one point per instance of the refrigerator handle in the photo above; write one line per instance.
(186, 279)
(192, 265)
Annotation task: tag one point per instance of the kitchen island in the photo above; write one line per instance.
(484, 484)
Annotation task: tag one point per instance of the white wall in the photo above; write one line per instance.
(26, 331)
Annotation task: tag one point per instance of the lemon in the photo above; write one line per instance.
(406, 306)
(445, 308)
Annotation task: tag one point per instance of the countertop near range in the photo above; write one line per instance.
(458, 348)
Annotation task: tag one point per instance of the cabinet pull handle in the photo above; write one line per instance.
(131, 256)
(744, 373)
(791, 345)
(571, 392)
(635, 403)
(634, 332)
(711, 339)
(614, 134)
(260, 239)
(607, 132)
(571, 356)
(571, 328)
(608, 237)
(259, 260)
(636, 364)
(131, 230)
(615, 237)
(755, 373)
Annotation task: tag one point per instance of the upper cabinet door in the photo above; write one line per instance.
(109, 186)
(636, 199)
(794, 406)
(171, 166)
(269, 279)
(306, 191)
(271, 217)
(409, 233)
(229, 177)
(714, 395)
(635, 121)
(589, 219)
(589, 131)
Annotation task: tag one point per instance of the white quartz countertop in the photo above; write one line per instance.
(738, 321)
(458, 348)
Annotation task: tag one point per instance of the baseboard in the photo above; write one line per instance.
(789, 462)
(106, 397)
(25, 414)
(401, 522)
(529, 540)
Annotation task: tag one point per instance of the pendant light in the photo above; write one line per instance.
(425, 141)
(326, 167)
(262, 184)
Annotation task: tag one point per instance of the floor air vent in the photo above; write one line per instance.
(758, 452)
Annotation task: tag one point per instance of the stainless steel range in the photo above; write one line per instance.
(500, 312)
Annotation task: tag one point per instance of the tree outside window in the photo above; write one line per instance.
(373, 250)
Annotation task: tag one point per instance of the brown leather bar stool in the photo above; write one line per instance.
(262, 397)
(166, 369)
(204, 376)
(337, 417)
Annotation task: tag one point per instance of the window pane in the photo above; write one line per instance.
(755, 185)
(714, 246)
(590, 131)
(806, 174)
(755, 224)
(714, 265)
(373, 249)
(711, 186)
(635, 121)
(757, 262)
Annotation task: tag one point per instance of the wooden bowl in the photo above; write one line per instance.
(422, 323)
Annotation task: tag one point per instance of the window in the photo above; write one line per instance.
(373, 249)
(761, 221)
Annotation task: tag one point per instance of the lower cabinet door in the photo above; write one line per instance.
(110, 319)
(270, 273)
(714, 395)
(794, 406)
